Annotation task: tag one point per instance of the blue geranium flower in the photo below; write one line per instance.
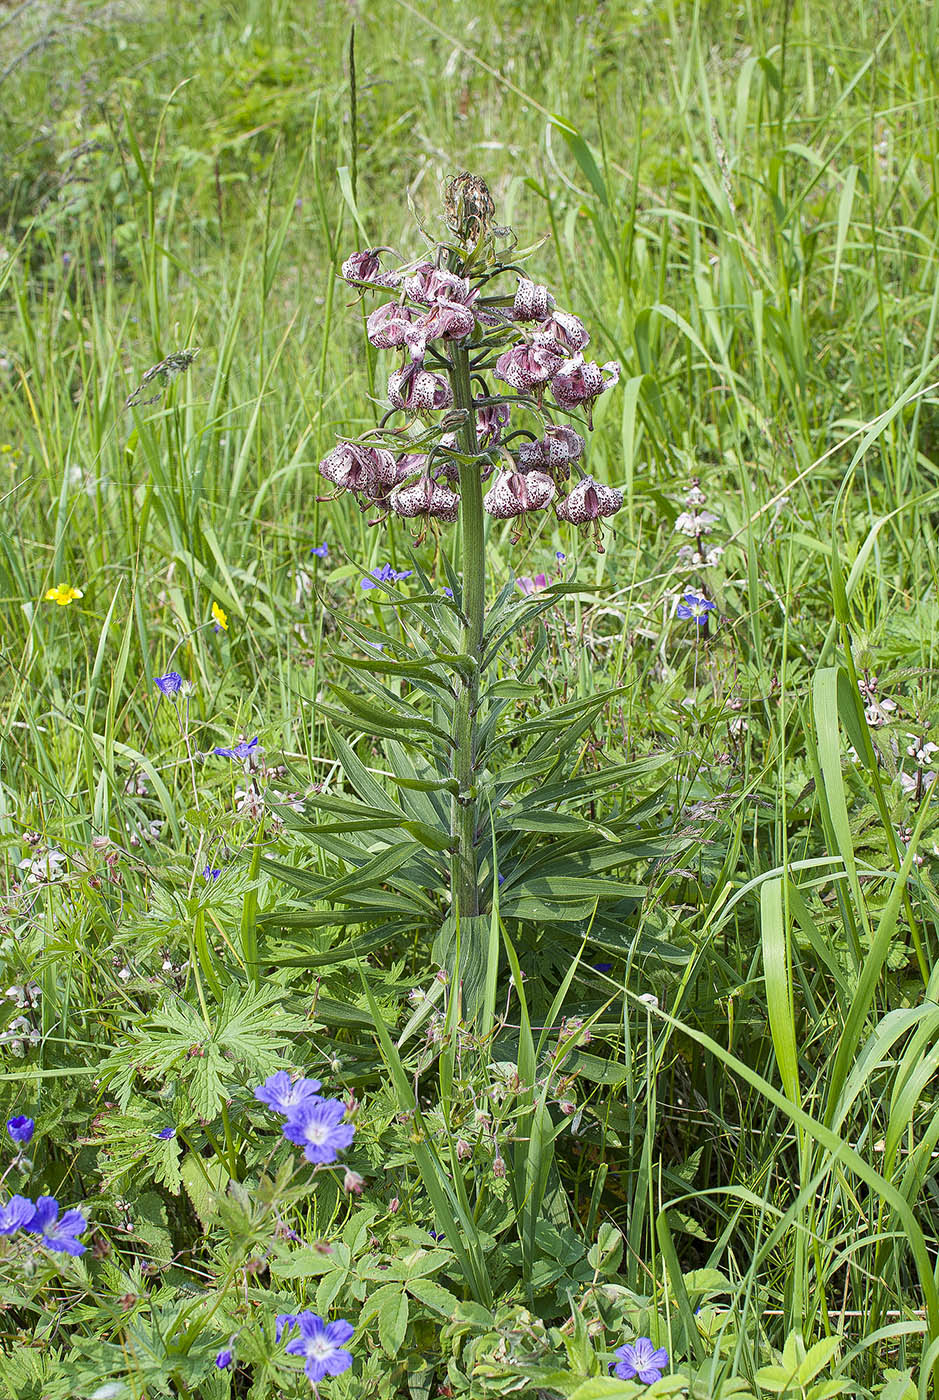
(603, 967)
(241, 750)
(166, 1134)
(283, 1323)
(224, 1358)
(281, 1093)
(320, 550)
(59, 1234)
(386, 574)
(693, 606)
(641, 1362)
(317, 1127)
(170, 684)
(211, 873)
(21, 1128)
(322, 1345)
(16, 1214)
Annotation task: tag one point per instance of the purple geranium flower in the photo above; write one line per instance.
(320, 550)
(693, 606)
(211, 872)
(166, 1134)
(642, 1362)
(21, 1128)
(531, 585)
(224, 1358)
(321, 1344)
(281, 1093)
(16, 1214)
(241, 750)
(170, 684)
(386, 574)
(317, 1127)
(58, 1234)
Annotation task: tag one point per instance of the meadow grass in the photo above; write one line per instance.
(742, 204)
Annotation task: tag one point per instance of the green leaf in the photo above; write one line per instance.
(391, 1304)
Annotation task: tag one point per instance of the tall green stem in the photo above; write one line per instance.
(464, 814)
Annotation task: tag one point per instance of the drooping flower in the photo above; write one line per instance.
(225, 1358)
(369, 471)
(426, 497)
(16, 1214)
(533, 302)
(428, 284)
(447, 319)
(515, 493)
(281, 1093)
(320, 550)
(170, 684)
(418, 390)
(21, 1128)
(642, 1362)
(693, 606)
(389, 326)
(554, 452)
(240, 750)
(589, 500)
(211, 873)
(221, 618)
(316, 1125)
(579, 381)
(490, 420)
(567, 329)
(322, 1345)
(352, 1182)
(60, 1234)
(530, 363)
(386, 574)
(63, 594)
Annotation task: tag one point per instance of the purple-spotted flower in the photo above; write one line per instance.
(533, 302)
(590, 500)
(428, 498)
(365, 471)
(554, 452)
(59, 1233)
(516, 493)
(316, 1125)
(21, 1128)
(578, 382)
(389, 327)
(386, 574)
(16, 1214)
(322, 1345)
(693, 606)
(641, 1361)
(320, 550)
(530, 363)
(281, 1093)
(240, 750)
(170, 684)
(418, 390)
(567, 329)
(366, 267)
(490, 420)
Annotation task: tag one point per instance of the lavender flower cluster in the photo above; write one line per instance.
(419, 479)
(312, 1121)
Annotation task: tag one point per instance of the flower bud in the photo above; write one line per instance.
(498, 1164)
(418, 390)
(352, 1182)
(529, 364)
(579, 381)
(533, 302)
(515, 493)
(394, 1205)
(463, 1150)
(366, 267)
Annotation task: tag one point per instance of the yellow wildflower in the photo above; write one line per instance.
(63, 593)
(221, 619)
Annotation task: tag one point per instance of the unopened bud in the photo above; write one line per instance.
(352, 1182)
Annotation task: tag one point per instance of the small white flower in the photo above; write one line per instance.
(695, 523)
(43, 869)
(878, 712)
(649, 1000)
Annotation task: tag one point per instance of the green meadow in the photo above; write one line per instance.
(643, 1099)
